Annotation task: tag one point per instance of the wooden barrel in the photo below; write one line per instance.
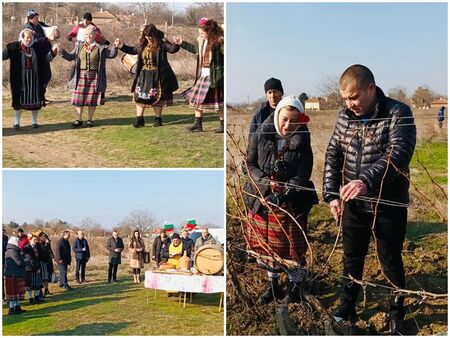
(130, 62)
(209, 259)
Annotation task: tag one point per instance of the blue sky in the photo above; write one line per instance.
(108, 196)
(404, 44)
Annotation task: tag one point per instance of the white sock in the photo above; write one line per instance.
(37, 293)
(16, 303)
(11, 304)
(30, 294)
(34, 114)
(17, 116)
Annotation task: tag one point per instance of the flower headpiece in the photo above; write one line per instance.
(202, 21)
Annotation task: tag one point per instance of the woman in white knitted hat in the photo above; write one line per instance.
(280, 162)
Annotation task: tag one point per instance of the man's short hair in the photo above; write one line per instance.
(356, 73)
(65, 232)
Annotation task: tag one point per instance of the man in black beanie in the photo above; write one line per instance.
(274, 94)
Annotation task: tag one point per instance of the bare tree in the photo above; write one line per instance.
(422, 97)
(153, 12)
(399, 94)
(330, 91)
(139, 219)
(210, 10)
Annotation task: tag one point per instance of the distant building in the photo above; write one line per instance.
(314, 103)
(436, 104)
(104, 17)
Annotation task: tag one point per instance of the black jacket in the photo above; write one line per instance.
(390, 132)
(31, 257)
(158, 246)
(14, 262)
(188, 245)
(298, 159)
(112, 244)
(259, 117)
(4, 244)
(166, 75)
(63, 251)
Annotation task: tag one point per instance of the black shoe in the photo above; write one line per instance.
(89, 124)
(273, 291)
(77, 124)
(139, 122)
(12, 311)
(46, 292)
(397, 327)
(18, 309)
(158, 122)
(345, 312)
(220, 129)
(35, 125)
(32, 301)
(16, 127)
(38, 300)
(197, 126)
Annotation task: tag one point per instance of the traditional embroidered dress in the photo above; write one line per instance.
(86, 92)
(202, 96)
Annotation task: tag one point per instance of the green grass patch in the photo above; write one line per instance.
(123, 308)
(434, 157)
(113, 142)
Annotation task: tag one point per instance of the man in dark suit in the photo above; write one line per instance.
(161, 242)
(82, 255)
(115, 248)
(63, 258)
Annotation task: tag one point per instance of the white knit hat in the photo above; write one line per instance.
(290, 100)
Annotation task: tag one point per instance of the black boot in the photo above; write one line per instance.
(220, 129)
(273, 291)
(397, 327)
(158, 122)
(18, 309)
(197, 126)
(46, 292)
(12, 311)
(139, 122)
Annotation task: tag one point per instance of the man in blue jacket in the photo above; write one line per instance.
(274, 94)
(82, 255)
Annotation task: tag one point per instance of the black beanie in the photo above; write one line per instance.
(87, 16)
(175, 235)
(273, 83)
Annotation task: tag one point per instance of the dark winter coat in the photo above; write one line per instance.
(158, 246)
(78, 246)
(48, 256)
(259, 117)
(105, 53)
(4, 244)
(14, 262)
(13, 52)
(216, 65)
(390, 132)
(63, 252)
(298, 159)
(200, 241)
(188, 245)
(40, 37)
(32, 259)
(112, 244)
(166, 75)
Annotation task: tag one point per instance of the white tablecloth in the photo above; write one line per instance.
(184, 283)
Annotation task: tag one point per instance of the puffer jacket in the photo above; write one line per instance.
(259, 117)
(361, 147)
(298, 158)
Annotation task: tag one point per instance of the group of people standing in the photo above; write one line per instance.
(366, 161)
(154, 83)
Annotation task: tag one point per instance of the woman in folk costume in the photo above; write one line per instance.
(279, 161)
(137, 248)
(155, 81)
(207, 92)
(88, 75)
(33, 278)
(27, 59)
(14, 271)
(46, 260)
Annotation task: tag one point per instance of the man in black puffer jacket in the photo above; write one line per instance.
(370, 150)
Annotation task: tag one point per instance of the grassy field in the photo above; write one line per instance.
(425, 247)
(98, 308)
(113, 142)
